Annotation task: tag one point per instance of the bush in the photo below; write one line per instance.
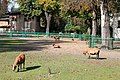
(78, 29)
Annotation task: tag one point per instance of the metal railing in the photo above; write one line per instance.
(109, 43)
(93, 41)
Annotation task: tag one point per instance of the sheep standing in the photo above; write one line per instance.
(57, 38)
(19, 62)
(92, 51)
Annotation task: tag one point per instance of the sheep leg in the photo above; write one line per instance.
(89, 57)
(97, 56)
(24, 65)
(18, 69)
(20, 66)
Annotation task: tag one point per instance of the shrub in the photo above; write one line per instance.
(78, 29)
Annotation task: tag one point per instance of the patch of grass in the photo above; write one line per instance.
(45, 66)
(10, 42)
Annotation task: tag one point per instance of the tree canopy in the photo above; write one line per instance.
(78, 12)
(30, 8)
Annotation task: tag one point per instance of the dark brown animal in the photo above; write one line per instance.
(92, 51)
(72, 39)
(57, 38)
(19, 62)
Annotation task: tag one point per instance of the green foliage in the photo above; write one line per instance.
(78, 29)
(30, 8)
(80, 9)
(74, 8)
(111, 6)
(79, 12)
(51, 6)
(69, 28)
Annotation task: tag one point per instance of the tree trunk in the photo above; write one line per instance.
(114, 24)
(102, 24)
(34, 22)
(48, 18)
(105, 23)
(38, 24)
(94, 25)
(107, 28)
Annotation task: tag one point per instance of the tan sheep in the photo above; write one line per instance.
(19, 61)
(92, 51)
(56, 46)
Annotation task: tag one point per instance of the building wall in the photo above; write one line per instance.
(4, 25)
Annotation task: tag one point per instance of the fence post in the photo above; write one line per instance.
(60, 34)
(47, 34)
(11, 34)
(37, 34)
(91, 41)
(80, 36)
(110, 43)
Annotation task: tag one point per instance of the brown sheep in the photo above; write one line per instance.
(19, 61)
(57, 38)
(56, 46)
(92, 51)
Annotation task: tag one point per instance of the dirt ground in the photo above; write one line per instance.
(68, 47)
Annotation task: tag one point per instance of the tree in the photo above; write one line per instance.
(95, 9)
(29, 8)
(108, 7)
(79, 12)
(50, 8)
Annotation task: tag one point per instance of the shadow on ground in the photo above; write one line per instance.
(98, 58)
(25, 45)
(31, 68)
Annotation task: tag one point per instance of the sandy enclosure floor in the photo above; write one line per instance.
(68, 46)
(75, 47)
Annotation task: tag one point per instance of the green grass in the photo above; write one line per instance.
(7, 45)
(62, 66)
(10, 42)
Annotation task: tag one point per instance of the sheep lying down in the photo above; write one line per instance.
(92, 51)
(56, 46)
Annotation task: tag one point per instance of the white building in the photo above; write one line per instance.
(4, 24)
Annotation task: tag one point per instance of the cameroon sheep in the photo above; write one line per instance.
(92, 51)
(57, 38)
(56, 46)
(19, 61)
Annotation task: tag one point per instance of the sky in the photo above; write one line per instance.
(11, 4)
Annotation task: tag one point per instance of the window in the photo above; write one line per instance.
(118, 24)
